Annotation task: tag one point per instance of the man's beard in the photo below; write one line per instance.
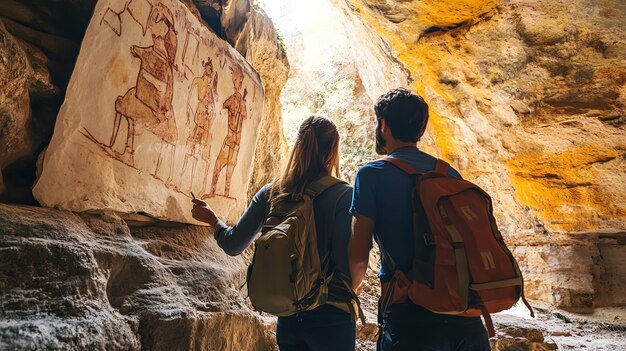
(380, 142)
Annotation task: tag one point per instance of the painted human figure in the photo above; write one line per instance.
(227, 158)
(148, 105)
(197, 143)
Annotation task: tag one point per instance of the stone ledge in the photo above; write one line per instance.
(71, 281)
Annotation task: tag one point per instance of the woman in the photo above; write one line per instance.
(315, 154)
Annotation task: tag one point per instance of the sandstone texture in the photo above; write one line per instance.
(15, 113)
(86, 281)
(71, 282)
(574, 271)
(158, 108)
(527, 100)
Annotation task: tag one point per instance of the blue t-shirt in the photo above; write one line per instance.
(382, 192)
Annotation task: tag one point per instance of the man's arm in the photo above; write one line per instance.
(359, 249)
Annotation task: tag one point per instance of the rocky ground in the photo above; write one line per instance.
(555, 329)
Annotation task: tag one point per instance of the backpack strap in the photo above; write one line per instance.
(354, 305)
(407, 168)
(441, 167)
(403, 165)
(317, 187)
(313, 190)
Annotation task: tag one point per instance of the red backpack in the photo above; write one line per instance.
(464, 267)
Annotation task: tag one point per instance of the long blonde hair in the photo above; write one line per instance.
(315, 153)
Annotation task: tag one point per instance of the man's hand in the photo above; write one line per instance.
(203, 213)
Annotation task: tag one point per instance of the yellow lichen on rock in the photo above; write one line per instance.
(560, 187)
(422, 59)
(507, 80)
(447, 13)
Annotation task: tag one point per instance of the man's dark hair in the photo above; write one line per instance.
(405, 113)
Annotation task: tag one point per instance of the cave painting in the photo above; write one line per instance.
(227, 158)
(156, 108)
(148, 105)
(202, 118)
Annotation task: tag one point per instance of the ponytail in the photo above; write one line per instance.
(315, 153)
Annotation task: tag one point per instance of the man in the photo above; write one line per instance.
(382, 209)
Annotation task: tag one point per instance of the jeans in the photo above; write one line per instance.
(408, 328)
(325, 328)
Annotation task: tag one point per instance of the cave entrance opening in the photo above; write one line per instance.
(325, 77)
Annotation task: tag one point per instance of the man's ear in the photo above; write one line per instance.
(383, 125)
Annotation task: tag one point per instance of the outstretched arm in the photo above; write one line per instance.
(233, 240)
(359, 249)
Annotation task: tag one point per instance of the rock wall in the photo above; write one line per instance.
(576, 271)
(70, 281)
(527, 99)
(38, 50)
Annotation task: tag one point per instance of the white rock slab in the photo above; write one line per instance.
(157, 107)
